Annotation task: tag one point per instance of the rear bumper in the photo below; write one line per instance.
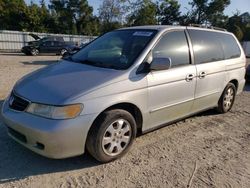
(51, 138)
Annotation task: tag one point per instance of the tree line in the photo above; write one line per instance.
(76, 16)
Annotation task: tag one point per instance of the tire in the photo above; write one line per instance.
(111, 135)
(34, 52)
(227, 98)
(63, 51)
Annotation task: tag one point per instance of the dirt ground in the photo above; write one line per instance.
(206, 150)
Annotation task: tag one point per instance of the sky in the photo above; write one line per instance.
(241, 5)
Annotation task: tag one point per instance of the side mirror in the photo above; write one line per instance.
(160, 64)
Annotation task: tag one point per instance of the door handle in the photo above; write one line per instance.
(189, 77)
(202, 75)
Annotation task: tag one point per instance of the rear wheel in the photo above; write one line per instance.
(111, 135)
(227, 98)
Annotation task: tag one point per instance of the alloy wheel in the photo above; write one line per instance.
(228, 98)
(116, 137)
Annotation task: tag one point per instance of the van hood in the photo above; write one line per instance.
(60, 82)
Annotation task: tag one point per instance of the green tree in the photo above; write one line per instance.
(34, 18)
(86, 23)
(168, 12)
(145, 13)
(111, 14)
(238, 32)
(215, 13)
(207, 12)
(238, 26)
(13, 15)
(61, 16)
(72, 16)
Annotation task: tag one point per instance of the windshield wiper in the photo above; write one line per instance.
(89, 62)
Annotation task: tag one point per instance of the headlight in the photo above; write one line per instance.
(55, 112)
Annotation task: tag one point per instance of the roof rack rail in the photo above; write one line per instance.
(207, 27)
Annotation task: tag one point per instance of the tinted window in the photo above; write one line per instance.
(230, 46)
(47, 43)
(173, 45)
(207, 46)
(50, 43)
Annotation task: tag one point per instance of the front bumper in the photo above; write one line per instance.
(25, 50)
(51, 138)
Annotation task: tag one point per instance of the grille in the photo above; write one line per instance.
(17, 103)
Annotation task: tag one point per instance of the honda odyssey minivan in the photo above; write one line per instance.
(125, 82)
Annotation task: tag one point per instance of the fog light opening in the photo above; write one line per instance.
(39, 146)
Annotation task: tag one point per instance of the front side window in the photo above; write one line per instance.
(173, 45)
(116, 49)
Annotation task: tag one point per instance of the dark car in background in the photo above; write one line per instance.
(47, 38)
(248, 73)
(48, 45)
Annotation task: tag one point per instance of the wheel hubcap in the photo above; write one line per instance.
(35, 52)
(228, 98)
(63, 51)
(116, 137)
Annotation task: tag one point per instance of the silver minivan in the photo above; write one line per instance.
(126, 82)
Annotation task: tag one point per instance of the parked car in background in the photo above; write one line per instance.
(48, 46)
(48, 38)
(126, 81)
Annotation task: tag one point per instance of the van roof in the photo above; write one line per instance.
(166, 27)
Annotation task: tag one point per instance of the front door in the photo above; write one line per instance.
(171, 92)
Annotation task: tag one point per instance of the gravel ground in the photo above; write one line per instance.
(206, 150)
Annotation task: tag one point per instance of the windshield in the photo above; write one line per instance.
(116, 49)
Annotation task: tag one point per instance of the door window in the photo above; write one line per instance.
(173, 45)
(207, 46)
(57, 43)
(47, 43)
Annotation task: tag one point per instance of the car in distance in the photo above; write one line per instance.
(48, 45)
(248, 73)
(128, 81)
(38, 39)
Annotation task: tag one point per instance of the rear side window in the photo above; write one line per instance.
(207, 46)
(230, 46)
(173, 45)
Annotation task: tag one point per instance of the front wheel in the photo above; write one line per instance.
(63, 51)
(34, 52)
(111, 135)
(227, 98)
